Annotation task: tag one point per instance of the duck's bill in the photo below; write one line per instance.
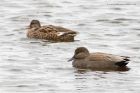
(27, 27)
(71, 59)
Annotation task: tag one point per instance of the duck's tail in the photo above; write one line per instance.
(69, 33)
(124, 62)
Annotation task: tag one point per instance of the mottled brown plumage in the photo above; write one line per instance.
(50, 32)
(83, 59)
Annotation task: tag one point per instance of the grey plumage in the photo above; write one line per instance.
(83, 59)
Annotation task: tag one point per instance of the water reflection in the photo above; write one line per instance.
(82, 71)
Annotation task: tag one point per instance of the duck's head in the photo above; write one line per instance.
(80, 53)
(81, 50)
(35, 24)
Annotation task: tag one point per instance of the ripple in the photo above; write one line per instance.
(136, 29)
(124, 19)
(16, 70)
(102, 20)
(119, 9)
(9, 34)
(115, 22)
(22, 86)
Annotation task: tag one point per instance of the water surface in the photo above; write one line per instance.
(35, 66)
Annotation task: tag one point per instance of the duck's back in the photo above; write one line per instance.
(99, 61)
(98, 56)
(62, 29)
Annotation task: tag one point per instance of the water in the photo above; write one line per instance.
(35, 66)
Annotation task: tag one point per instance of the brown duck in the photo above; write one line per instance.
(98, 61)
(50, 32)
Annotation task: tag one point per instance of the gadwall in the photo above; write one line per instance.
(83, 59)
(50, 32)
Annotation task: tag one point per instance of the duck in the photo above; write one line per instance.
(97, 60)
(50, 32)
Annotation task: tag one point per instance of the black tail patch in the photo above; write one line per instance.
(122, 63)
(126, 59)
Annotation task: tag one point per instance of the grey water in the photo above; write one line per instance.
(36, 66)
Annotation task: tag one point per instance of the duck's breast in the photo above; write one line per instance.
(79, 63)
(36, 34)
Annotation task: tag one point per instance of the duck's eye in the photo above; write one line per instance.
(33, 23)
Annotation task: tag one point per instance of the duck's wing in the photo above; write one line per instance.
(62, 29)
(48, 29)
(109, 58)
